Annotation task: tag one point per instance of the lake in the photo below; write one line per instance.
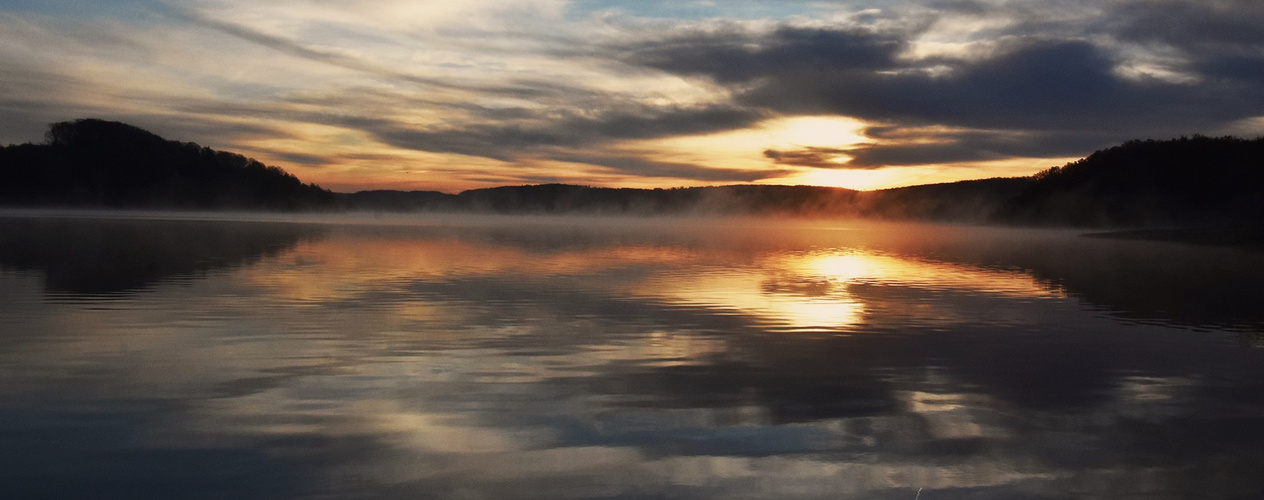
(187, 356)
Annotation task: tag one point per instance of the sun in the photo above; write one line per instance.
(838, 132)
(745, 149)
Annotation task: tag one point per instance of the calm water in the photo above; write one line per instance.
(528, 358)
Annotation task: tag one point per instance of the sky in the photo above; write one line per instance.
(448, 96)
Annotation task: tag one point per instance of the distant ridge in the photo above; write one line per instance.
(1191, 181)
(965, 201)
(565, 198)
(98, 163)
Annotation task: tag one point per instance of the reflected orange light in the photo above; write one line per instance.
(853, 267)
(811, 291)
(795, 290)
(348, 266)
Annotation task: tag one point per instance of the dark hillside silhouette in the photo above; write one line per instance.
(1192, 182)
(565, 198)
(397, 201)
(1198, 181)
(1187, 181)
(727, 200)
(97, 163)
(964, 201)
(967, 201)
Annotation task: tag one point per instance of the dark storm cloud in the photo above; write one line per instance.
(1184, 23)
(961, 6)
(1247, 69)
(966, 146)
(942, 147)
(733, 56)
(1221, 39)
(1037, 95)
(1038, 85)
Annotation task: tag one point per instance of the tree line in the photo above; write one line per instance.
(1187, 181)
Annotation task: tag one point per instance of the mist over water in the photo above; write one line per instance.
(195, 356)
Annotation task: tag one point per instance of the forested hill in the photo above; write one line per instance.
(966, 201)
(1195, 181)
(97, 163)
(565, 198)
(1187, 181)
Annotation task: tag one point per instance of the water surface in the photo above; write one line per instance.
(585, 358)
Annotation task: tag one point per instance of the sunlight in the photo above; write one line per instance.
(798, 292)
(818, 131)
(818, 313)
(900, 176)
(747, 292)
(850, 178)
(853, 267)
(744, 149)
(843, 267)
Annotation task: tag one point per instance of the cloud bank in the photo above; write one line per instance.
(427, 95)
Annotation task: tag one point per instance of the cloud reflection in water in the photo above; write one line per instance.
(572, 361)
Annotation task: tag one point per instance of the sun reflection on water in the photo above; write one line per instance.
(431, 363)
(836, 289)
(831, 289)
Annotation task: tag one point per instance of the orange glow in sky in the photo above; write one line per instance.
(449, 96)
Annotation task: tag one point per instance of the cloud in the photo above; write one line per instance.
(1025, 91)
(1188, 24)
(297, 49)
(538, 131)
(812, 156)
(1221, 40)
(901, 147)
(733, 56)
(920, 147)
(521, 89)
(650, 168)
(1026, 85)
(302, 159)
(960, 80)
